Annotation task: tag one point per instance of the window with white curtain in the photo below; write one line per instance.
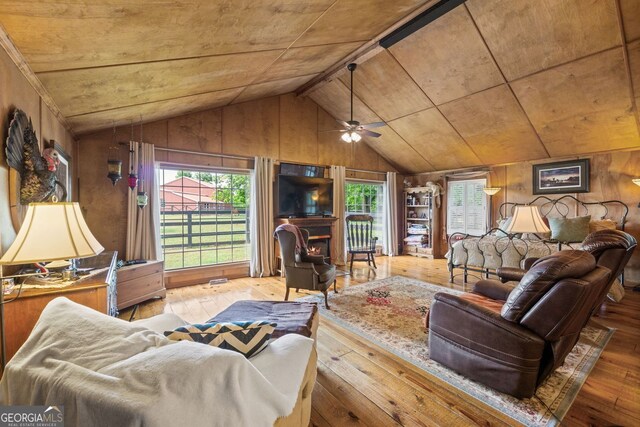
(467, 207)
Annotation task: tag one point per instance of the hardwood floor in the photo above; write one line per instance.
(363, 385)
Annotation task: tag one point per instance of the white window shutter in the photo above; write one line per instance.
(466, 207)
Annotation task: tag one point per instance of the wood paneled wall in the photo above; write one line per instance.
(285, 127)
(611, 175)
(16, 92)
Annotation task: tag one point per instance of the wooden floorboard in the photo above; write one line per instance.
(362, 384)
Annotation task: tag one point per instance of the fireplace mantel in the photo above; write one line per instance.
(320, 229)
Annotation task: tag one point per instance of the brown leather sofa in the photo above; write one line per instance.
(513, 345)
(611, 248)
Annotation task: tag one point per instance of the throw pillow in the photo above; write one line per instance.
(569, 229)
(602, 224)
(247, 338)
(502, 225)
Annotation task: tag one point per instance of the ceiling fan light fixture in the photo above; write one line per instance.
(346, 137)
(355, 137)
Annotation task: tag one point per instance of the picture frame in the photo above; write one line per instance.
(63, 171)
(571, 176)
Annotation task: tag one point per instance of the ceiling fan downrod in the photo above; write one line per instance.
(351, 67)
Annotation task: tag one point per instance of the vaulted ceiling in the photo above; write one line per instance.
(502, 81)
(106, 61)
(491, 82)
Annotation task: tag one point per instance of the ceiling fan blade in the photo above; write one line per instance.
(343, 123)
(369, 133)
(373, 125)
(334, 130)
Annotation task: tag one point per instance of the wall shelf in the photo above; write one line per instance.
(418, 201)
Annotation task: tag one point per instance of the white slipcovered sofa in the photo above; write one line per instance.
(108, 372)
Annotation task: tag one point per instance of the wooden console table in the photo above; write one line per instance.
(21, 315)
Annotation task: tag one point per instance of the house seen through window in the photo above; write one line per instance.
(203, 217)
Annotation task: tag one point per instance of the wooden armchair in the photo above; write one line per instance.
(360, 239)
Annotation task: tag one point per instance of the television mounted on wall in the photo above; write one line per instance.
(301, 196)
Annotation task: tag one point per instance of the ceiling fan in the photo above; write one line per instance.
(353, 130)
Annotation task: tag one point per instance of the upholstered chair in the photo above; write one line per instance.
(513, 345)
(303, 271)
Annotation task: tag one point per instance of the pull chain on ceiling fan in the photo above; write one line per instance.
(353, 130)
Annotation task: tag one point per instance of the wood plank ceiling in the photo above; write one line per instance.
(106, 61)
(492, 82)
(502, 81)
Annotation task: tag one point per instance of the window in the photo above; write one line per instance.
(367, 198)
(467, 207)
(203, 217)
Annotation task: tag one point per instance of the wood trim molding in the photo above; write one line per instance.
(17, 58)
(202, 275)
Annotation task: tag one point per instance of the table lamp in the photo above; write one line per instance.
(527, 219)
(49, 232)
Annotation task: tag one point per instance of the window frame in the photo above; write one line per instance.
(479, 183)
(382, 235)
(199, 248)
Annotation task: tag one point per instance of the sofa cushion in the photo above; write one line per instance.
(602, 224)
(248, 338)
(569, 229)
(290, 317)
(542, 275)
(502, 226)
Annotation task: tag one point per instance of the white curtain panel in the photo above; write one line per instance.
(261, 219)
(338, 173)
(143, 225)
(391, 215)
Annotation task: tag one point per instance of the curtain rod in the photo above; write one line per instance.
(228, 156)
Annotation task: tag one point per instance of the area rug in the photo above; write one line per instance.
(389, 313)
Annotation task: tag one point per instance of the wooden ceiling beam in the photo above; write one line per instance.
(366, 51)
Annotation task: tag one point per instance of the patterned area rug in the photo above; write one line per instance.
(389, 313)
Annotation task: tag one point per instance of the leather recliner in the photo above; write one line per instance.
(611, 248)
(513, 345)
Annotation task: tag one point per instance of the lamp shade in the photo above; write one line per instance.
(490, 191)
(52, 231)
(527, 219)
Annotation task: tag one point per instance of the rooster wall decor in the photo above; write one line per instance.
(37, 171)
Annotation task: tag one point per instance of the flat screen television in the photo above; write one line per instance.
(301, 196)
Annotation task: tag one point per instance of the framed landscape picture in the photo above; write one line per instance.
(561, 177)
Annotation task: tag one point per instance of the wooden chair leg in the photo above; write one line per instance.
(335, 290)
(373, 259)
(351, 266)
(286, 295)
(326, 302)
